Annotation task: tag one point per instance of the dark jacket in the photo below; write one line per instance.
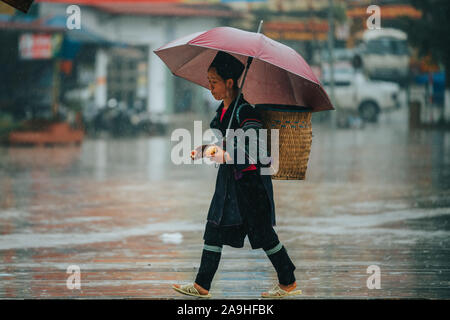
(224, 210)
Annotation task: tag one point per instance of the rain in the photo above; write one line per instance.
(87, 177)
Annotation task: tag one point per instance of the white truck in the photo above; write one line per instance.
(354, 92)
(384, 54)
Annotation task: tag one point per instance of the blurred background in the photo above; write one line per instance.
(86, 116)
(104, 77)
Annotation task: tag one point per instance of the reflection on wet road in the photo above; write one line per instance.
(133, 221)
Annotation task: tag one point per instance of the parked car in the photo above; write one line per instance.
(353, 91)
(339, 54)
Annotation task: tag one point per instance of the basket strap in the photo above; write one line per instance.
(239, 109)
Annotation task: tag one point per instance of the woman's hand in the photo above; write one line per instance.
(217, 154)
(203, 151)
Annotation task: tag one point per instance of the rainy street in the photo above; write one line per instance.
(132, 221)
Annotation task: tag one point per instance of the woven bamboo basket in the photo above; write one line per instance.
(295, 138)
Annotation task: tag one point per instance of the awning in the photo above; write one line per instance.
(83, 35)
(9, 22)
(54, 24)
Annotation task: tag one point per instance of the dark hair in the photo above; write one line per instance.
(227, 67)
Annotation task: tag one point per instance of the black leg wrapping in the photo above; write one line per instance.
(208, 267)
(283, 266)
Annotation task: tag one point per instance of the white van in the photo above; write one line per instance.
(384, 54)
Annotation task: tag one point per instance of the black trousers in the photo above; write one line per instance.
(254, 208)
(255, 211)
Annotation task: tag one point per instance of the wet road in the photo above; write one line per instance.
(133, 221)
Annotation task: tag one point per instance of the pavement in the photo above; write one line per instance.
(131, 221)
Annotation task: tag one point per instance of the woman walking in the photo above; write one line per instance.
(243, 203)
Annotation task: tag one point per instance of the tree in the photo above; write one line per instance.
(430, 35)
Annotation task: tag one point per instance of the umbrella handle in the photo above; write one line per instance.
(249, 62)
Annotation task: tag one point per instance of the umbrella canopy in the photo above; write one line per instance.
(278, 75)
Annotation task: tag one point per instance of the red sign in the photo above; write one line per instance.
(35, 46)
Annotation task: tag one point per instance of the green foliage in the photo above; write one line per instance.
(75, 105)
(7, 124)
(339, 12)
(431, 33)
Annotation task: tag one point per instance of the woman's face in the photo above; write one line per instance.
(219, 88)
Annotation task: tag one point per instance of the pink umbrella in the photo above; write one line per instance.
(278, 75)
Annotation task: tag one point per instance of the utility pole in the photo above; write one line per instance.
(56, 88)
(333, 116)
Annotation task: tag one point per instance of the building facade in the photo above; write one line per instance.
(121, 38)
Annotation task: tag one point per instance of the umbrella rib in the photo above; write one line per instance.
(218, 49)
(187, 61)
(292, 86)
(267, 41)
